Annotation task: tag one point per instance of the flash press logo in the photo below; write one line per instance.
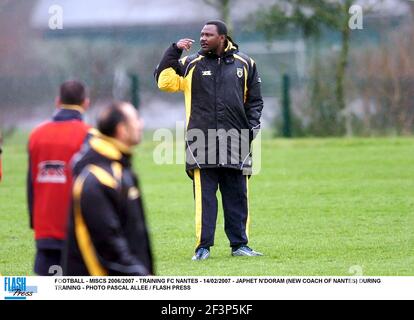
(16, 288)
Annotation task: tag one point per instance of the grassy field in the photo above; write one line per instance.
(319, 207)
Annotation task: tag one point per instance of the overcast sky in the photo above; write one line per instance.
(155, 12)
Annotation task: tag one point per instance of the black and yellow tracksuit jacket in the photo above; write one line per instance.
(107, 233)
(221, 92)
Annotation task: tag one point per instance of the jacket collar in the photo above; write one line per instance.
(68, 112)
(231, 48)
(74, 107)
(110, 148)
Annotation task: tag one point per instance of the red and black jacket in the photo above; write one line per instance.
(51, 148)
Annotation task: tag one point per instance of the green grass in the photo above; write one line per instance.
(319, 207)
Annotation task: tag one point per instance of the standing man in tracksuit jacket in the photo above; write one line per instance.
(223, 104)
(107, 232)
(51, 148)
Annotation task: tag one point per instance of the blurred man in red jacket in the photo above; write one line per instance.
(51, 148)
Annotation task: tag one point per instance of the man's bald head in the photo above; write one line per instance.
(120, 120)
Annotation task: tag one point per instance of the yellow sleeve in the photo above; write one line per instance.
(170, 81)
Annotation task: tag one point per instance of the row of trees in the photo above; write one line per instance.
(383, 86)
(377, 78)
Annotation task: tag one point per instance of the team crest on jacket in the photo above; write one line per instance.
(51, 172)
(133, 193)
(239, 72)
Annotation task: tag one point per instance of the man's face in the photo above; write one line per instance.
(133, 125)
(209, 38)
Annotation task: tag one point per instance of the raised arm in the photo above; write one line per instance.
(169, 72)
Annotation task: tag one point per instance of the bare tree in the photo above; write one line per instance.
(223, 8)
(311, 17)
(385, 77)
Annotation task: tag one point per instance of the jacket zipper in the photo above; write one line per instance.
(215, 91)
(218, 75)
